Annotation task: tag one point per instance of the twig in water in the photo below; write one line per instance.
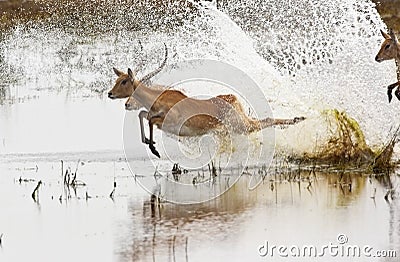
(67, 177)
(173, 247)
(87, 196)
(35, 192)
(62, 168)
(70, 177)
(176, 172)
(77, 165)
(26, 180)
(113, 191)
(73, 181)
(309, 185)
(374, 194)
(112, 194)
(387, 195)
(153, 202)
(186, 249)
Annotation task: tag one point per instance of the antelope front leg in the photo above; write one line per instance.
(143, 114)
(152, 121)
(390, 89)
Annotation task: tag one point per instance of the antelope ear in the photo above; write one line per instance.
(131, 74)
(386, 36)
(393, 36)
(117, 72)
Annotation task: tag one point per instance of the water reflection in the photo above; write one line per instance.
(311, 209)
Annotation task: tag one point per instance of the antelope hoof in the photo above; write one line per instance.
(147, 141)
(397, 93)
(298, 119)
(154, 151)
(389, 93)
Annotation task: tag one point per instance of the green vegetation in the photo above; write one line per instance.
(346, 146)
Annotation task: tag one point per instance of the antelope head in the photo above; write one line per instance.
(131, 104)
(124, 85)
(390, 48)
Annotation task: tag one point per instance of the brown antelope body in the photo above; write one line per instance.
(175, 113)
(390, 49)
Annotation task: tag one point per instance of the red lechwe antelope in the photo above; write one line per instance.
(390, 49)
(175, 113)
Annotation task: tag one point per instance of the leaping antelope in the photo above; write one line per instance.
(390, 49)
(175, 113)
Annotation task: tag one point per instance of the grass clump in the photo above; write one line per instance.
(346, 145)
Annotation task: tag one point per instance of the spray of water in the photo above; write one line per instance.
(325, 50)
(307, 56)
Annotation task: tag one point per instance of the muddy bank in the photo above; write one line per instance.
(98, 15)
(389, 10)
(19, 11)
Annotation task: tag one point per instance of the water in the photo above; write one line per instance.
(288, 208)
(306, 57)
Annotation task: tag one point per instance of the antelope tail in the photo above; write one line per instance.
(256, 125)
(268, 122)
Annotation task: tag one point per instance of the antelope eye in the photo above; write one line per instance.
(123, 82)
(387, 46)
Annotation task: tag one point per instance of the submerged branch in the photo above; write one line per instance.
(35, 192)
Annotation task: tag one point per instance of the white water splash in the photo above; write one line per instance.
(306, 56)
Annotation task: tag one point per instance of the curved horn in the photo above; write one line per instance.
(392, 35)
(147, 77)
(141, 46)
(386, 36)
(141, 64)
